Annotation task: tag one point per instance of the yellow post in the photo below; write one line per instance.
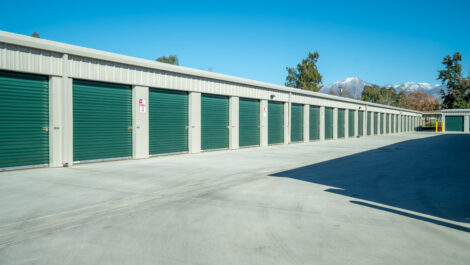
(443, 127)
(437, 126)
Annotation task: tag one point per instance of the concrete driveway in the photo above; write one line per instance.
(400, 199)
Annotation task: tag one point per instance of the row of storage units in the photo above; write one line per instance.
(103, 121)
(62, 104)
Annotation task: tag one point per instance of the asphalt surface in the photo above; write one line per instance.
(400, 199)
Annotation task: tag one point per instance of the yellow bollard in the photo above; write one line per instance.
(436, 126)
(443, 127)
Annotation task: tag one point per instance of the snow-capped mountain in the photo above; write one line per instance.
(353, 86)
(433, 90)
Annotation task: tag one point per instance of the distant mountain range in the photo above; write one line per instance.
(353, 86)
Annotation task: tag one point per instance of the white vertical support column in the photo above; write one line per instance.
(306, 123)
(263, 134)
(335, 123)
(372, 123)
(286, 123)
(379, 122)
(346, 123)
(356, 123)
(322, 123)
(234, 122)
(55, 121)
(194, 134)
(466, 124)
(140, 120)
(67, 133)
(67, 112)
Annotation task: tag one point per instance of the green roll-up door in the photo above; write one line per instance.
(454, 124)
(351, 123)
(382, 121)
(249, 125)
(360, 123)
(297, 122)
(376, 123)
(24, 120)
(314, 123)
(102, 120)
(341, 118)
(328, 123)
(387, 123)
(275, 122)
(168, 121)
(393, 123)
(369, 121)
(214, 122)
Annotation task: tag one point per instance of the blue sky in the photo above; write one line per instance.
(383, 42)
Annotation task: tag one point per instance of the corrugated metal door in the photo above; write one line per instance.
(341, 118)
(382, 121)
(376, 123)
(314, 123)
(360, 123)
(328, 123)
(454, 124)
(275, 122)
(249, 126)
(393, 123)
(168, 121)
(214, 122)
(24, 120)
(369, 121)
(297, 122)
(387, 123)
(102, 120)
(351, 123)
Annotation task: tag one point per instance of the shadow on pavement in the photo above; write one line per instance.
(429, 176)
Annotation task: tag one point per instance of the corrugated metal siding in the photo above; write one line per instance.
(275, 122)
(328, 123)
(168, 121)
(297, 121)
(249, 124)
(214, 122)
(86, 68)
(341, 119)
(102, 121)
(24, 120)
(314, 123)
(17, 58)
(351, 123)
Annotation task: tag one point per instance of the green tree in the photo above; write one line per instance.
(172, 59)
(457, 95)
(305, 75)
(371, 93)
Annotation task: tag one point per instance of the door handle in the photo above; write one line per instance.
(129, 127)
(46, 129)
